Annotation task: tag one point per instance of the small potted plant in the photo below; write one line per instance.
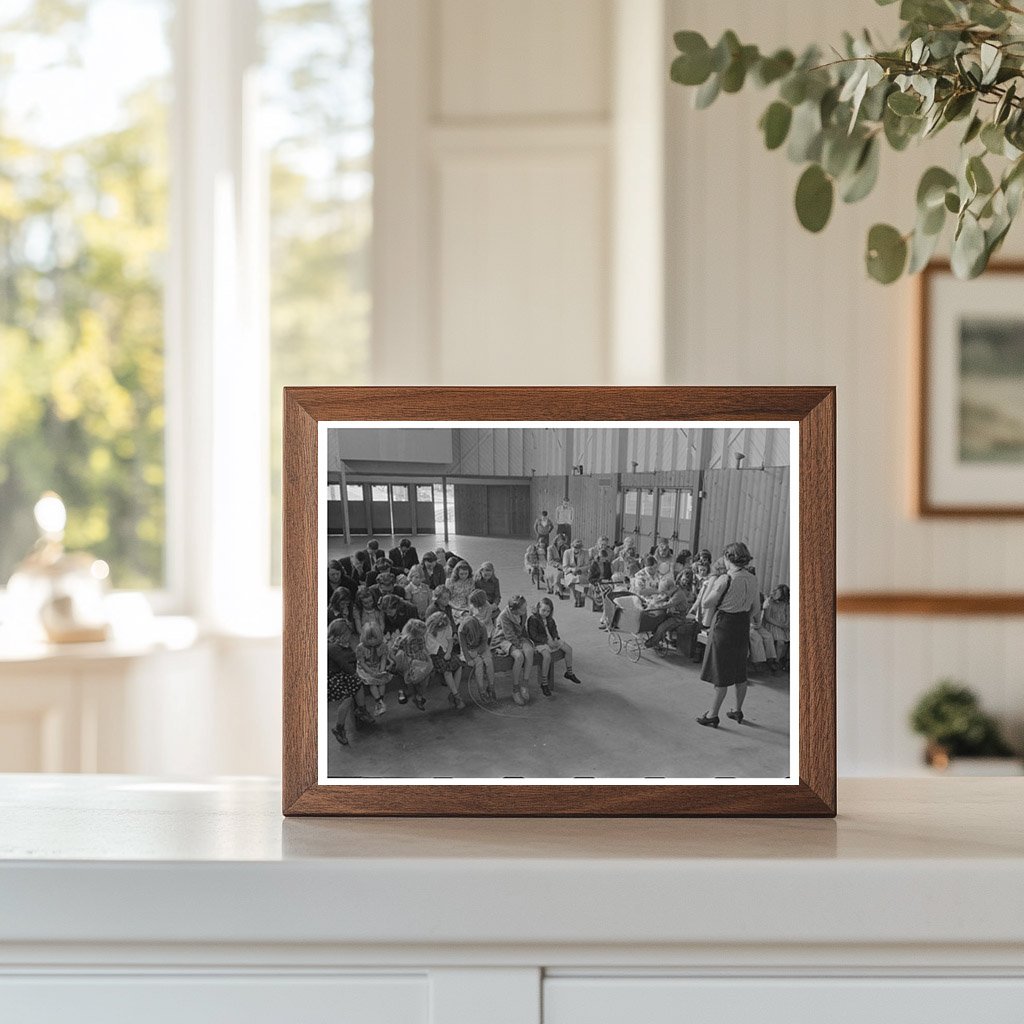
(950, 717)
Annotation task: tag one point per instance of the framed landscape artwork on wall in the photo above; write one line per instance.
(970, 445)
(586, 601)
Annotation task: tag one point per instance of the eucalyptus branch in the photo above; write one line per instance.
(833, 117)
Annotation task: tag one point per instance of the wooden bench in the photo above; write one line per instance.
(503, 663)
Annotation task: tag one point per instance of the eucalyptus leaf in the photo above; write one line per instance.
(978, 176)
(840, 152)
(794, 88)
(993, 138)
(814, 196)
(903, 103)
(1005, 105)
(922, 248)
(707, 93)
(973, 129)
(735, 74)
(968, 247)
(932, 221)
(886, 253)
(771, 69)
(805, 133)
(865, 174)
(987, 15)
(724, 51)
(991, 61)
(775, 124)
(693, 65)
(931, 190)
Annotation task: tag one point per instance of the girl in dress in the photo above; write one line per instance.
(476, 653)
(417, 592)
(340, 606)
(489, 583)
(433, 571)
(460, 586)
(442, 603)
(373, 664)
(343, 682)
(512, 639)
(413, 661)
(482, 609)
(441, 648)
(553, 577)
(365, 611)
(533, 565)
(557, 546)
(775, 617)
(544, 636)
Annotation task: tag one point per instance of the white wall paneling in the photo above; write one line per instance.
(517, 238)
(751, 298)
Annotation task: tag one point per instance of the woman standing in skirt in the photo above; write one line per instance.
(731, 598)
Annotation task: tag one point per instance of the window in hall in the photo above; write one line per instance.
(424, 492)
(630, 507)
(399, 492)
(354, 492)
(378, 492)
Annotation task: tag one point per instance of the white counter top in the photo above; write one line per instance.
(118, 859)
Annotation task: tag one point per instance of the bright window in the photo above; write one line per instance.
(424, 492)
(379, 492)
(83, 240)
(354, 492)
(399, 492)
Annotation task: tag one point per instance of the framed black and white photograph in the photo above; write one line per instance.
(552, 615)
(970, 451)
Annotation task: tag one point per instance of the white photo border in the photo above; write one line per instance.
(323, 426)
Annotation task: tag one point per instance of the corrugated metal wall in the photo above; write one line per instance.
(748, 505)
(752, 507)
(551, 451)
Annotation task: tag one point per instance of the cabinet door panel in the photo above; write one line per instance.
(201, 999)
(781, 1001)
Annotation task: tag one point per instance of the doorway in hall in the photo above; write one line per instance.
(649, 514)
(444, 501)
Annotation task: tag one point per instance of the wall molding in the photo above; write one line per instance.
(910, 603)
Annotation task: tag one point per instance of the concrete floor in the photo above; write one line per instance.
(626, 720)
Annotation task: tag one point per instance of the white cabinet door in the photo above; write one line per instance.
(654, 1000)
(202, 999)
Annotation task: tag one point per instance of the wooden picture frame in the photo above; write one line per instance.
(809, 412)
(946, 484)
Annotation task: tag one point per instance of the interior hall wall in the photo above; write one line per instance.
(754, 299)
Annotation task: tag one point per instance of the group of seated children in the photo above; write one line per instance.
(411, 621)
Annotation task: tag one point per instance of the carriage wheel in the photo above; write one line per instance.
(633, 649)
(614, 642)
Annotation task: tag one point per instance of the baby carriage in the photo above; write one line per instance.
(629, 626)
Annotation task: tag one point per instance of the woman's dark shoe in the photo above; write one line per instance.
(736, 716)
(339, 735)
(708, 720)
(420, 702)
(572, 676)
(545, 689)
